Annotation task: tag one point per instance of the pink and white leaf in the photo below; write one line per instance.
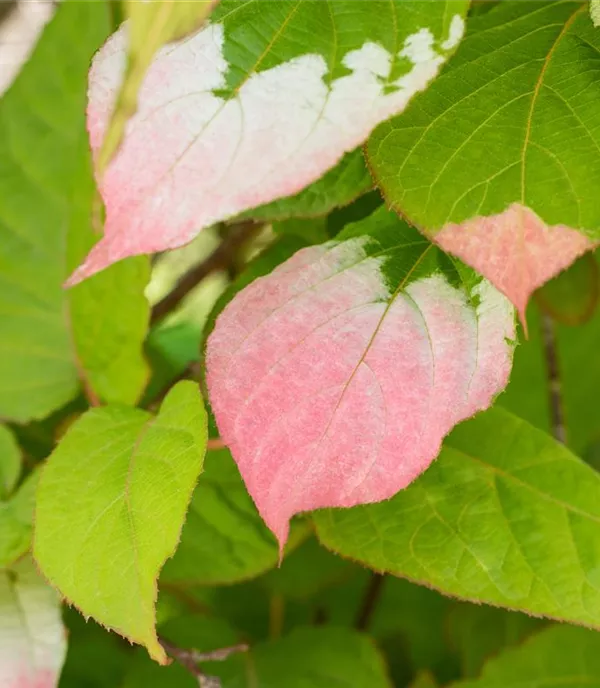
(32, 637)
(191, 158)
(331, 389)
(515, 250)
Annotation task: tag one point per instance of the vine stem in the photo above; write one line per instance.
(370, 600)
(557, 418)
(190, 659)
(222, 258)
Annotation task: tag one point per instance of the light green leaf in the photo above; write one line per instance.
(506, 515)
(338, 187)
(32, 638)
(151, 24)
(10, 462)
(316, 657)
(119, 484)
(109, 314)
(224, 540)
(16, 521)
(45, 220)
(595, 12)
(560, 656)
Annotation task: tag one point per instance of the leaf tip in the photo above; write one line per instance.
(515, 250)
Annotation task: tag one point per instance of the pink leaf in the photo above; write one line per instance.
(515, 250)
(334, 387)
(191, 158)
(32, 637)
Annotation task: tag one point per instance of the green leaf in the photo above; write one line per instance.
(312, 230)
(16, 509)
(315, 657)
(224, 540)
(481, 632)
(119, 484)
(501, 156)
(95, 657)
(109, 317)
(338, 187)
(32, 637)
(525, 75)
(45, 219)
(10, 462)
(560, 656)
(505, 515)
(16, 521)
(572, 296)
(595, 12)
(424, 680)
(528, 392)
(308, 570)
(420, 628)
(170, 350)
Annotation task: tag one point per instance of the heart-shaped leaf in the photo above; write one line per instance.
(500, 159)
(254, 107)
(334, 379)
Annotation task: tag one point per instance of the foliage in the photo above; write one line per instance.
(315, 446)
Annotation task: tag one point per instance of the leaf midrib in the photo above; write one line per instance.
(538, 88)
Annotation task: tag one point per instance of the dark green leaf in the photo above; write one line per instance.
(572, 296)
(481, 632)
(348, 180)
(315, 657)
(224, 540)
(561, 657)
